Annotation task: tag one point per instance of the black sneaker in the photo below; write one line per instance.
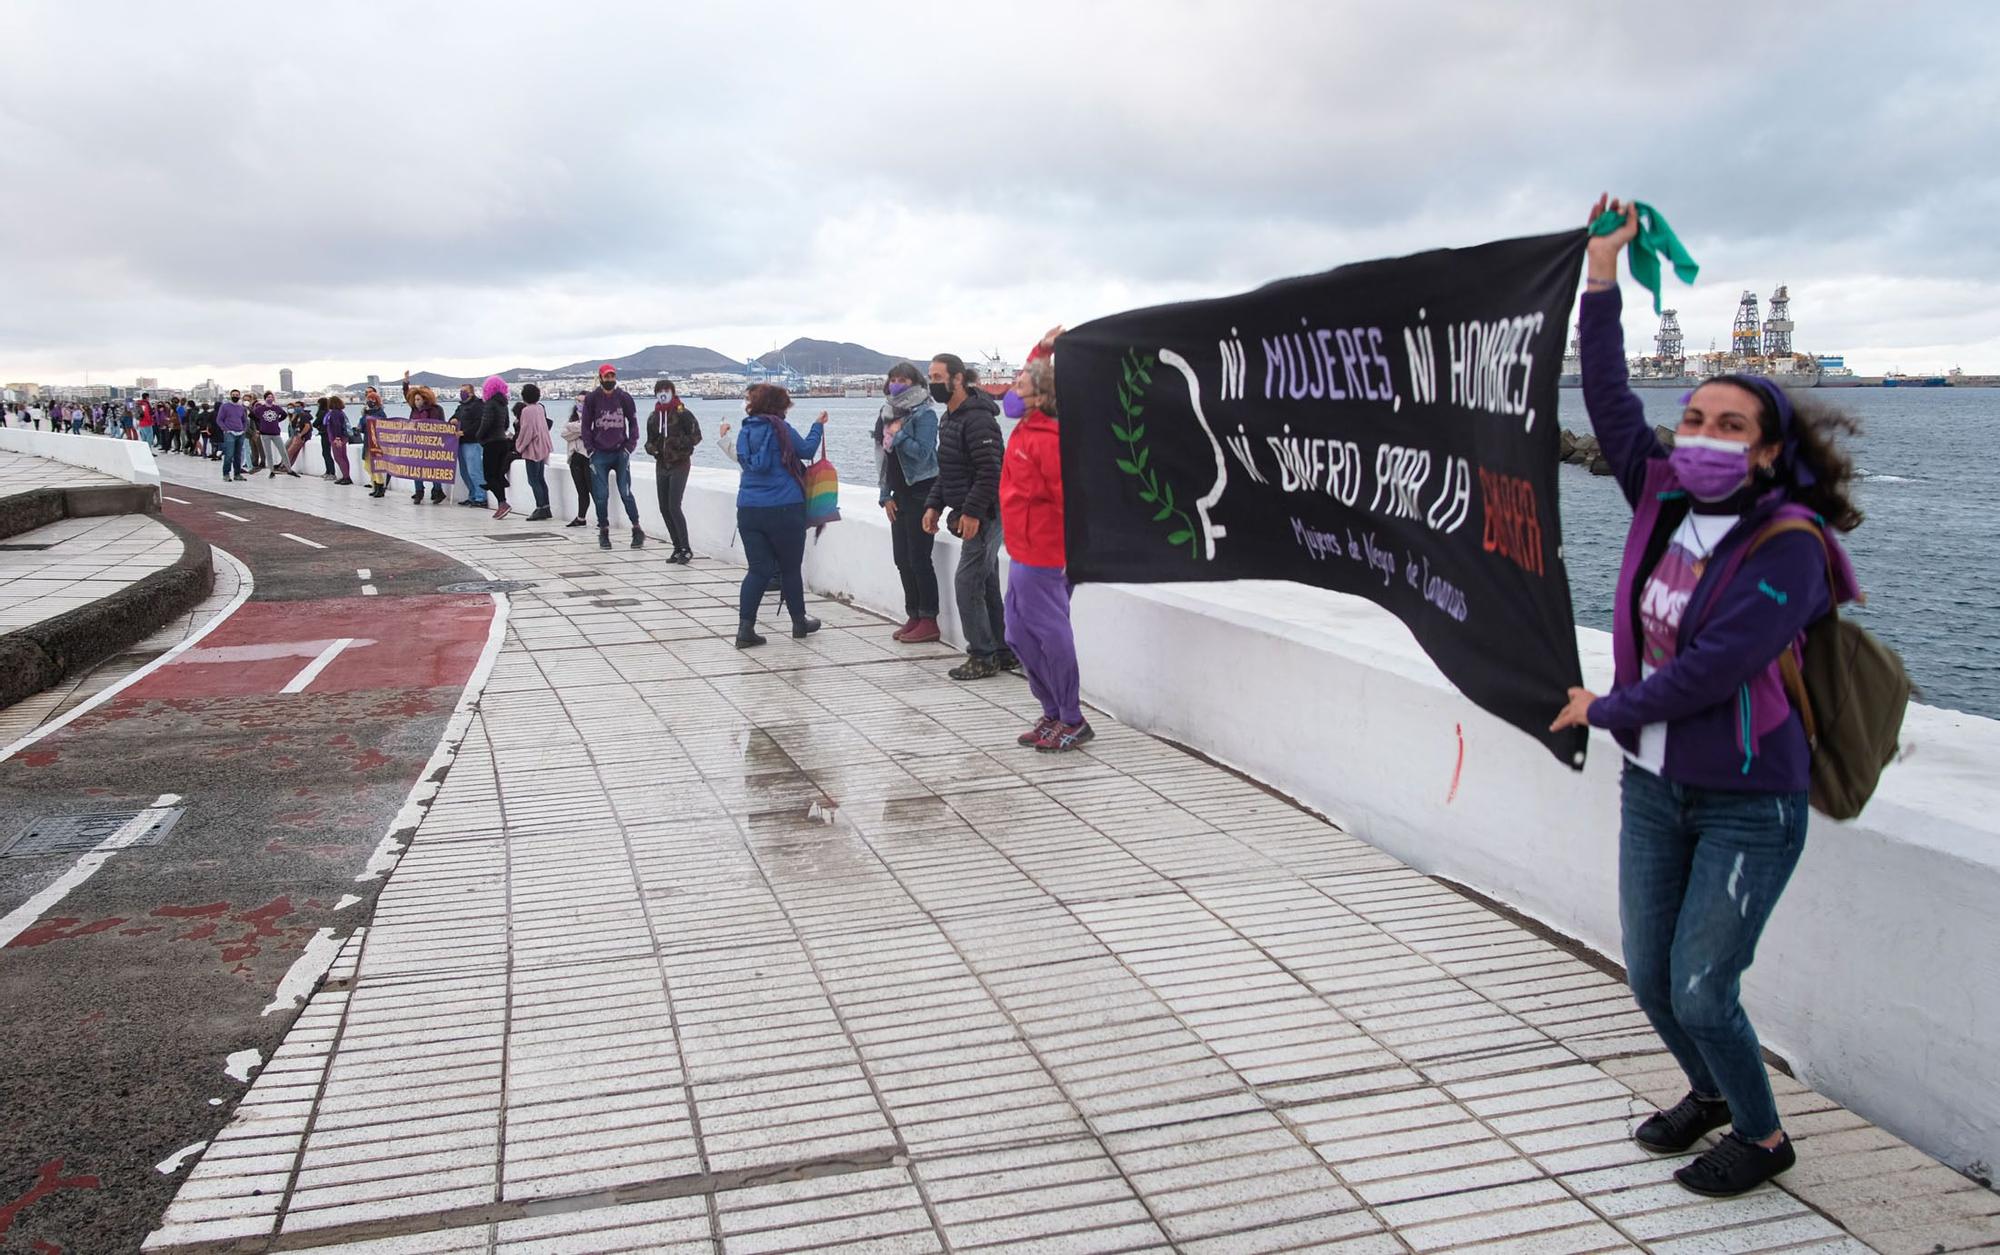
(1680, 1126)
(1006, 661)
(1736, 1166)
(638, 539)
(975, 669)
(578, 521)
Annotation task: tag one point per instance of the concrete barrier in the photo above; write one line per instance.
(129, 460)
(1876, 979)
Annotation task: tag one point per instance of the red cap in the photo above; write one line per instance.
(607, 368)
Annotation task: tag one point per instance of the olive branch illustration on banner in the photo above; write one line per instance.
(1138, 370)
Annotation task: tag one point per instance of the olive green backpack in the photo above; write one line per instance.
(1850, 693)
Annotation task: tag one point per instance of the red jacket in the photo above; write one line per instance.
(1031, 492)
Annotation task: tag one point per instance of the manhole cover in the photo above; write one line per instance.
(585, 592)
(578, 575)
(508, 540)
(74, 834)
(23, 548)
(617, 601)
(487, 586)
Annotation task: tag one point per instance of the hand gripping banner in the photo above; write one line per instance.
(1387, 429)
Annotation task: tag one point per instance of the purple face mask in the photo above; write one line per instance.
(1012, 405)
(898, 388)
(1710, 469)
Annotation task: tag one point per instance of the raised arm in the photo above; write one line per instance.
(1617, 414)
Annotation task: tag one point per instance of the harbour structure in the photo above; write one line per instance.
(1757, 346)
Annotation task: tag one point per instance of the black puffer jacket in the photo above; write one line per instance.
(494, 420)
(969, 456)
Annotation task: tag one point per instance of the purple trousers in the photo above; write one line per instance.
(1038, 633)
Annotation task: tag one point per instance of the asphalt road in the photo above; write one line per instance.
(120, 1002)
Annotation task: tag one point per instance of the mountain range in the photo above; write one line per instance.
(807, 356)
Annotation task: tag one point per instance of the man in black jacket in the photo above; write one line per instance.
(968, 486)
(470, 417)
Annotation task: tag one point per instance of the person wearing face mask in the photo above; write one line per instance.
(610, 424)
(532, 443)
(232, 421)
(497, 452)
(906, 466)
(1031, 504)
(671, 435)
(424, 408)
(966, 494)
(1715, 788)
(470, 417)
(579, 462)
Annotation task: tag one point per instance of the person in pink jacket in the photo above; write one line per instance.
(533, 446)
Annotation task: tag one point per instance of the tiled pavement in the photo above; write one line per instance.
(793, 950)
(21, 472)
(78, 561)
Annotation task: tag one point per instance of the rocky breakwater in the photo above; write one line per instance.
(1583, 450)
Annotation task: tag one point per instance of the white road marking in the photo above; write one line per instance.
(346, 900)
(239, 1066)
(172, 1163)
(305, 971)
(312, 669)
(177, 500)
(362, 571)
(302, 540)
(367, 590)
(23, 916)
(244, 586)
(226, 514)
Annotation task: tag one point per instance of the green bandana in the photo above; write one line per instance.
(1655, 240)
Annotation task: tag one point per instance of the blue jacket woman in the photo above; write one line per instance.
(771, 507)
(1716, 777)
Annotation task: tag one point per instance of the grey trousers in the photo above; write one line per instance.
(977, 585)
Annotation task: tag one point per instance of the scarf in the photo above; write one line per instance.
(899, 407)
(1655, 240)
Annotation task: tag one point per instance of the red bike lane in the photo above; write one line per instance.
(289, 737)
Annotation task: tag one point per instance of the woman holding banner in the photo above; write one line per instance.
(1716, 775)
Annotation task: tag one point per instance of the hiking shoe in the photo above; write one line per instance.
(904, 630)
(805, 627)
(920, 632)
(1065, 737)
(1006, 661)
(638, 539)
(1680, 1126)
(1033, 736)
(604, 538)
(1736, 1166)
(746, 636)
(974, 669)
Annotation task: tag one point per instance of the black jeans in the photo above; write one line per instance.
(579, 474)
(499, 456)
(912, 546)
(774, 540)
(671, 483)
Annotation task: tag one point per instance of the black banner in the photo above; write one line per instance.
(1386, 429)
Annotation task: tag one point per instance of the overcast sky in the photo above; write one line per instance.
(201, 189)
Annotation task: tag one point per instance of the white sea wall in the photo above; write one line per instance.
(1878, 978)
(129, 460)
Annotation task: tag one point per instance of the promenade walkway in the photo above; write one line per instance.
(792, 949)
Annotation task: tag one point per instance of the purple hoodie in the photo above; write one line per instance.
(1729, 722)
(610, 421)
(230, 416)
(270, 418)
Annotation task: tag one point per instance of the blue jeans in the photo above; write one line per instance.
(603, 466)
(472, 469)
(774, 541)
(1699, 871)
(539, 484)
(232, 453)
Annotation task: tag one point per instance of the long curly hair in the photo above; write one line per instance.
(1822, 432)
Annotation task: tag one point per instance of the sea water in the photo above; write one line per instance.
(1928, 555)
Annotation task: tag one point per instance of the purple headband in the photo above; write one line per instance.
(1789, 463)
